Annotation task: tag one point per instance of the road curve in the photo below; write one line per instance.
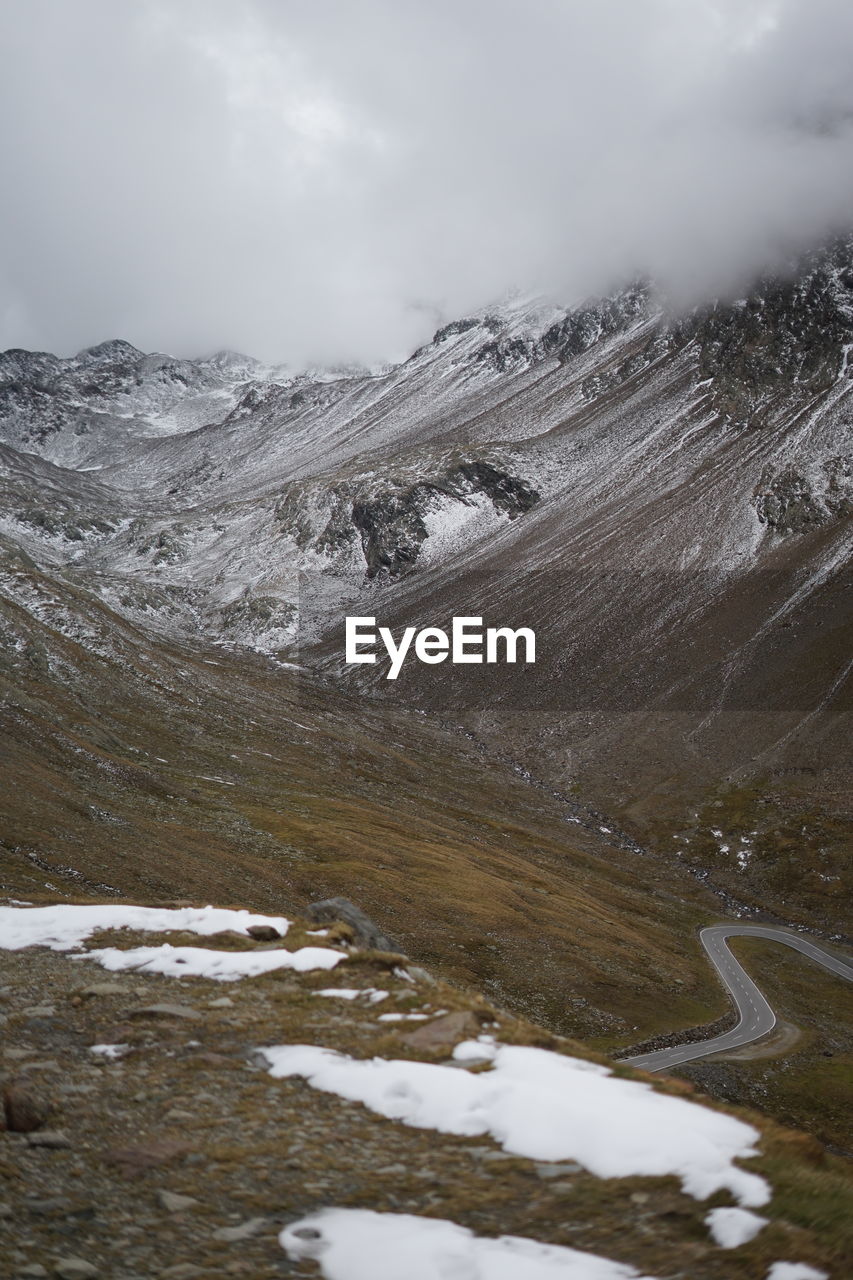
(756, 1016)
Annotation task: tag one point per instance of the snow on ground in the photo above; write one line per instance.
(794, 1271)
(373, 994)
(451, 522)
(112, 1052)
(545, 1106)
(221, 966)
(63, 926)
(731, 1228)
(206, 409)
(404, 1017)
(358, 1244)
(483, 1049)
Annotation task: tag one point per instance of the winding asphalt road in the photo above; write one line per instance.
(756, 1016)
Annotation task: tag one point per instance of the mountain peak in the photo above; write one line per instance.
(109, 351)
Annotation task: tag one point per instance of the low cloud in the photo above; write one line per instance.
(325, 181)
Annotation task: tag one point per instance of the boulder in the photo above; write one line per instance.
(263, 933)
(23, 1108)
(365, 931)
(444, 1032)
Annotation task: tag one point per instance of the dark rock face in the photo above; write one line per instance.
(392, 530)
(571, 335)
(788, 504)
(508, 493)
(580, 329)
(390, 522)
(505, 354)
(455, 328)
(392, 525)
(609, 379)
(784, 343)
(366, 932)
(164, 546)
(792, 502)
(451, 330)
(249, 610)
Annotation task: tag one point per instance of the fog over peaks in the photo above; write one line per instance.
(316, 180)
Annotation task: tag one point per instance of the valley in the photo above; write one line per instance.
(664, 500)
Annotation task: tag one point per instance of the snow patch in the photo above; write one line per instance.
(110, 1051)
(404, 1017)
(63, 926)
(374, 995)
(451, 522)
(220, 966)
(795, 1271)
(483, 1049)
(730, 1228)
(359, 1244)
(545, 1106)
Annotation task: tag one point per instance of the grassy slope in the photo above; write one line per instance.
(164, 772)
(154, 772)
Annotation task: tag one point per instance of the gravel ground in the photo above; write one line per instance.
(183, 1159)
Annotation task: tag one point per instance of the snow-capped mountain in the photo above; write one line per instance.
(665, 499)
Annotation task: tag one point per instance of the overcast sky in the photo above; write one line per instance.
(328, 179)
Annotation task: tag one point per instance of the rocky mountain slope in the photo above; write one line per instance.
(665, 499)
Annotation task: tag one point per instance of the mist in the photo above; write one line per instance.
(326, 181)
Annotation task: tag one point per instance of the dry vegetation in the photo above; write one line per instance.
(246, 1147)
(166, 772)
